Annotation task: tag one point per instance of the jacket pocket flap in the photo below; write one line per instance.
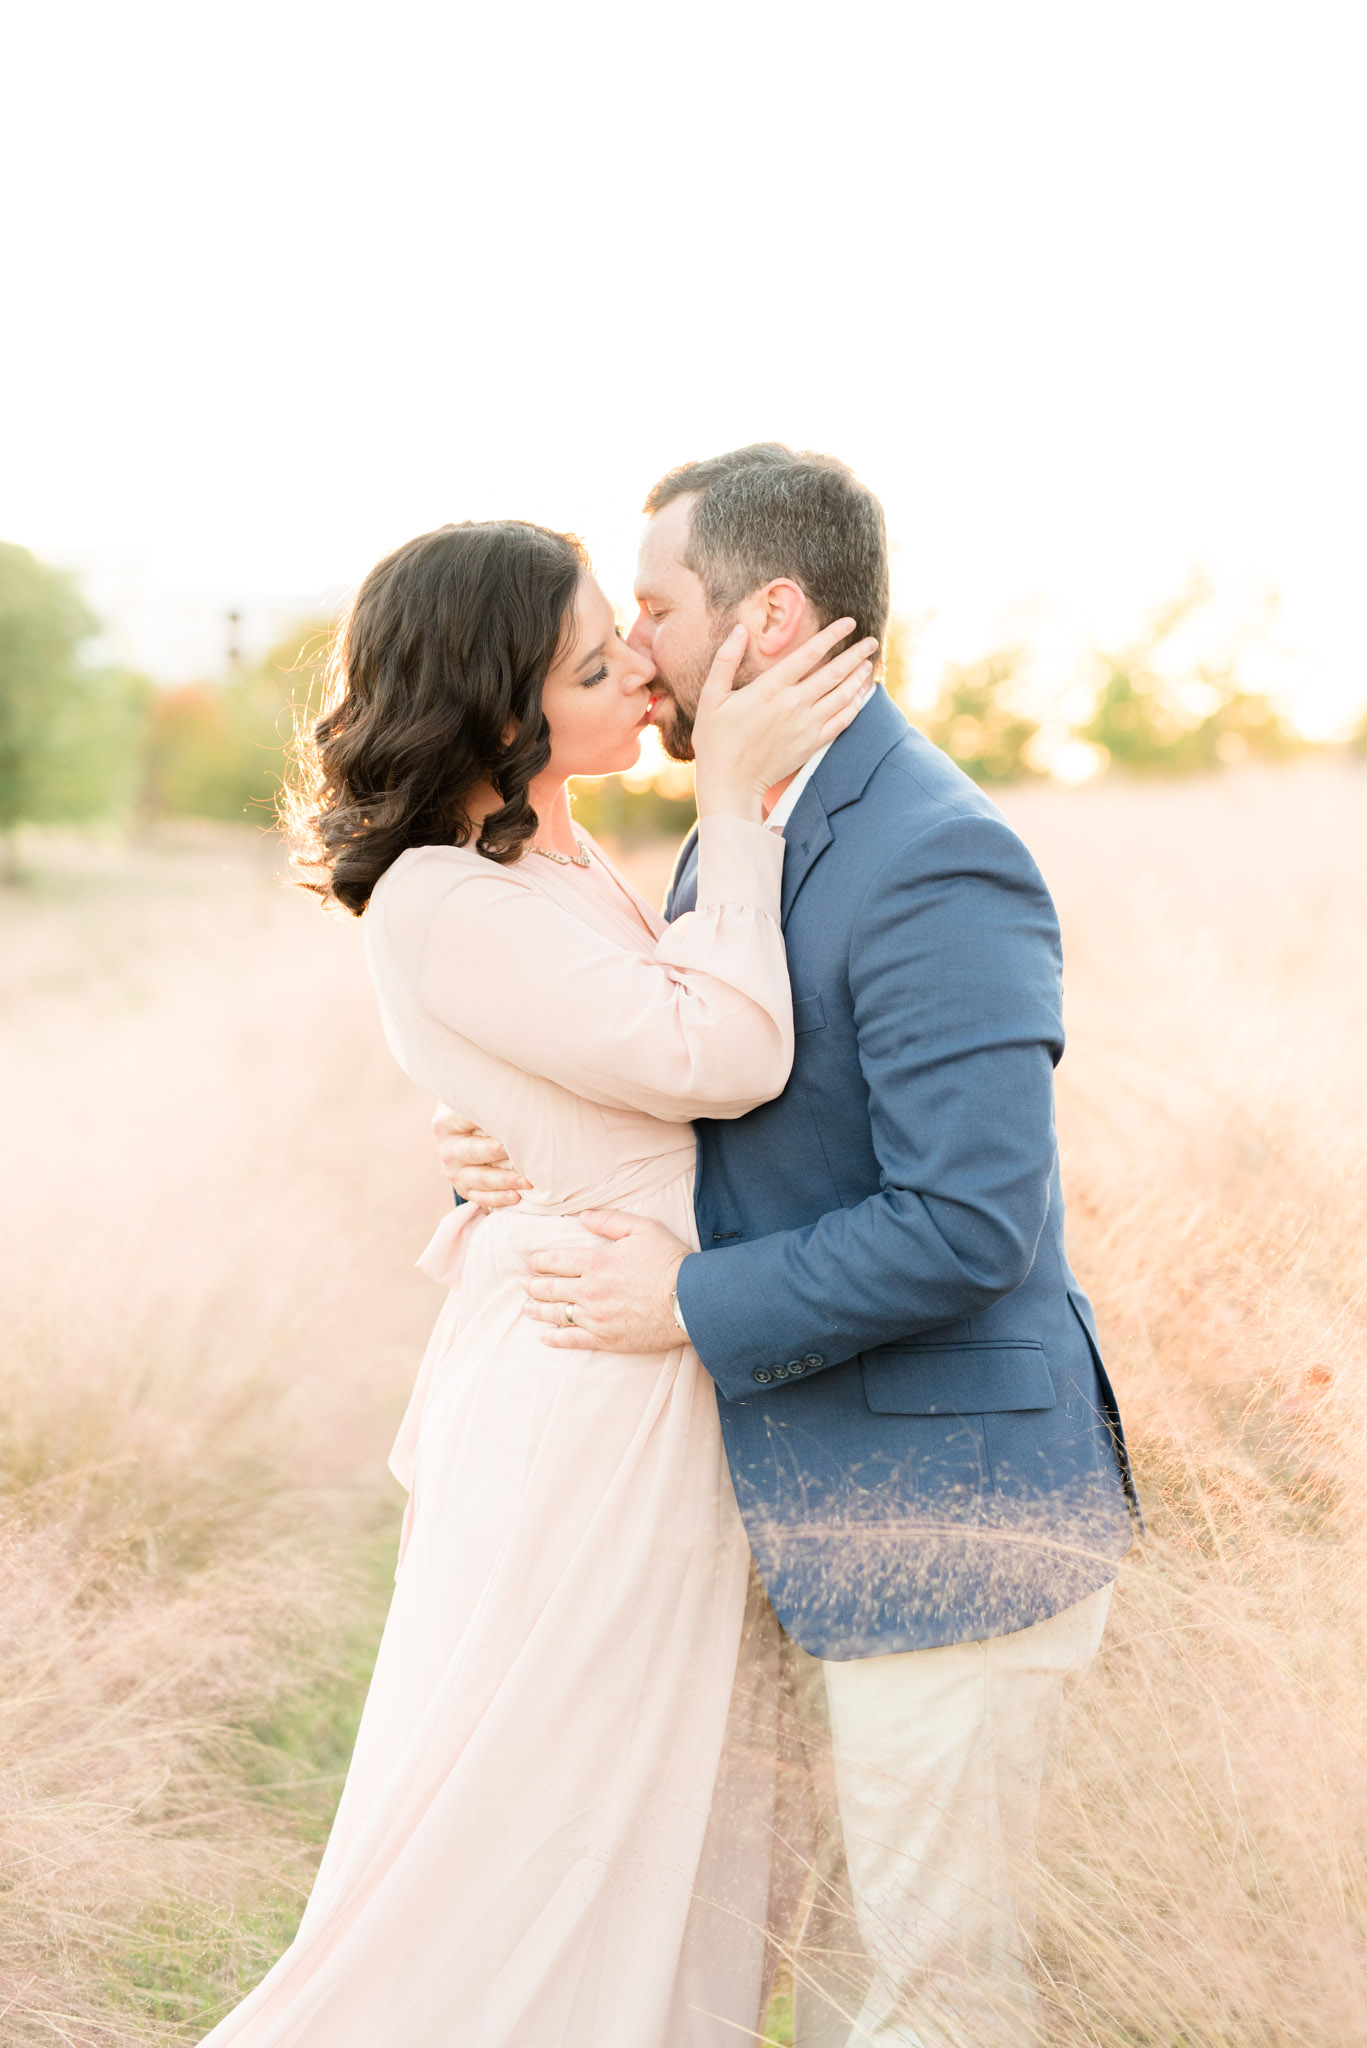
(959, 1379)
(809, 1013)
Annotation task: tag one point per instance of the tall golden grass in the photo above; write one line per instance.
(215, 1184)
(1207, 1857)
(215, 1181)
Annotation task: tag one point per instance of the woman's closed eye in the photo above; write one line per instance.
(599, 675)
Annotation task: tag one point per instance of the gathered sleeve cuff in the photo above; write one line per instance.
(739, 863)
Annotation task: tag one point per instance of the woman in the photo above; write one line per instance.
(544, 1840)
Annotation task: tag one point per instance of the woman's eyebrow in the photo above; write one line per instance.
(595, 654)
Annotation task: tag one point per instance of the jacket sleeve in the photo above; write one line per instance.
(701, 1024)
(956, 979)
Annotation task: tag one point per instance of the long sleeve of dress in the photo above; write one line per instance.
(700, 1025)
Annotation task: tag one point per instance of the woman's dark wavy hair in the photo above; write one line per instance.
(446, 647)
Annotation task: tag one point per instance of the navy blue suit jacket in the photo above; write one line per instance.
(923, 1441)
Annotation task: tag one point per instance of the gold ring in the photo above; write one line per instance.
(569, 1314)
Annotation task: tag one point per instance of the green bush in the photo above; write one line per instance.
(1145, 727)
(70, 735)
(628, 816)
(217, 750)
(977, 723)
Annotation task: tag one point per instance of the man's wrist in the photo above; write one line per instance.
(674, 1308)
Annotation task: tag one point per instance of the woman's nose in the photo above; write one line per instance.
(642, 671)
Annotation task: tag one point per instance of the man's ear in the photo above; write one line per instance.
(778, 615)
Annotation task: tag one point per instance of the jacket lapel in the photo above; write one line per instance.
(841, 779)
(683, 885)
(806, 837)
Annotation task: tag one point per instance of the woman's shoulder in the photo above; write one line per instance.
(427, 882)
(437, 896)
(424, 870)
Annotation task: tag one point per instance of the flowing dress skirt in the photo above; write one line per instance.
(555, 1831)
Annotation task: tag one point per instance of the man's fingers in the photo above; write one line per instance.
(499, 1180)
(569, 1265)
(607, 1222)
(479, 1151)
(562, 1336)
(551, 1290)
(453, 1123)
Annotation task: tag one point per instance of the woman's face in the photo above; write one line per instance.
(597, 696)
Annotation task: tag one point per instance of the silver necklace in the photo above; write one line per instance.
(566, 860)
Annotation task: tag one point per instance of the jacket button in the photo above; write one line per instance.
(762, 1376)
(794, 1365)
(813, 1358)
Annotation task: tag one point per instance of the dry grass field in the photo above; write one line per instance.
(214, 1186)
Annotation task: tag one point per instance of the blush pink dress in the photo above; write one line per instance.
(555, 1832)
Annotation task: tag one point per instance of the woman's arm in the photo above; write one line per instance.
(701, 1025)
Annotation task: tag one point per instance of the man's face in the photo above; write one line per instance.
(675, 628)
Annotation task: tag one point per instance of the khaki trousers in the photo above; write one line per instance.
(914, 1785)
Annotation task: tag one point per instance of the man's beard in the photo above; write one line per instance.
(676, 732)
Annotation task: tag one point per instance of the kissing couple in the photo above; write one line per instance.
(765, 1483)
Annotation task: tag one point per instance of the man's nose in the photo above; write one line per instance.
(641, 635)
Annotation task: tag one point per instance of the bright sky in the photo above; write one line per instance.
(1076, 286)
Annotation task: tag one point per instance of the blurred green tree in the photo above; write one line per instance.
(1149, 720)
(977, 717)
(896, 677)
(977, 720)
(623, 816)
(70, 733)
(218, 750)
(1145, 726)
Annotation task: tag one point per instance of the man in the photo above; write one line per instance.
(923, 1441)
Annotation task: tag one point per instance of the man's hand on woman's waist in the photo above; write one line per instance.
(477, 1166)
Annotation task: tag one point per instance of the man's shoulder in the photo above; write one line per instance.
(920, 825)
(916, 792)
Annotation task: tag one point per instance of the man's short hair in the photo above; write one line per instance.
(768, 511)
